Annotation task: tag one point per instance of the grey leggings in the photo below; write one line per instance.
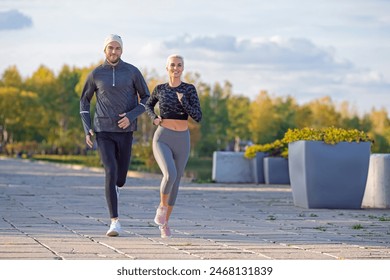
(171, 150)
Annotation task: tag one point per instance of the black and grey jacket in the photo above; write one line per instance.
(119, 89)
(170, 106)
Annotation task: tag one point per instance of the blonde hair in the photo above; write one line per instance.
(174, 56)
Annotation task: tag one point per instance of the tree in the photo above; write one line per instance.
(238, 108)
(45, 108)
(286, 114)
(263, 123)
(379, 120)
(12, 78)
(208, 145)
(349, 117)
(380, 130)
(43, 82)
(18, 117)
(66, 134)
(194, 127)
(323, 113)
(215, 121)
(303, 116)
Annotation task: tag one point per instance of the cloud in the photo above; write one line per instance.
(294, 61)
(364, 77)
(264, 53)
(282, 66)
(13, 19)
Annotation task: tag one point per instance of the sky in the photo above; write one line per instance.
(307, 49)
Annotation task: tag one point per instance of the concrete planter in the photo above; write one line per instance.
(231, 167)
(377, 194)
(258, 168)
(276, 170)
(328, 176)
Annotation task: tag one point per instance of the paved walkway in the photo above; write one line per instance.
(51, 211)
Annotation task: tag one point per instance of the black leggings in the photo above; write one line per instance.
(115, 153)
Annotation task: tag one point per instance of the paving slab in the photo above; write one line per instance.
(58, 212)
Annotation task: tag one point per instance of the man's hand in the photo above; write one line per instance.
(124, 122)
(88, 138)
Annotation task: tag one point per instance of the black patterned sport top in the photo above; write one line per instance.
(169, 104)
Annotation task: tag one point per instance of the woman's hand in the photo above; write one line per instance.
(157, 121)
(179, 96)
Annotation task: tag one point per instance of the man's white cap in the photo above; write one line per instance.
(113, 38)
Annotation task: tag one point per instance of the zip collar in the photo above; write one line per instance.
(106, 64)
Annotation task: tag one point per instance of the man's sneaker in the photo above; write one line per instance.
(161, 215)
(115, 228)
(165, 231)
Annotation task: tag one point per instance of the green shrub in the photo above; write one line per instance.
(142, 157)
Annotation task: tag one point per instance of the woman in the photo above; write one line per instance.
(171, 142)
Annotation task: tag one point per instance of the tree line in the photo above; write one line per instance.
(40, 114)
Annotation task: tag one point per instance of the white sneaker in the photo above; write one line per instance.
(165, 231)
(161, 215)
(115, 228)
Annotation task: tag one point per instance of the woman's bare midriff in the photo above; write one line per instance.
(177, 125)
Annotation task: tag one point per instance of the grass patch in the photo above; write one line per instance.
(92, 160)
(320, 228)
(381, 218)
(357, 226)
(198, 168)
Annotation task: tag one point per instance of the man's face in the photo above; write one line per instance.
(113, 52)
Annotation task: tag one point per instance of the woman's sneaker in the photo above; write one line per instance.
(115, 228)
(161, 215)
(165, 231)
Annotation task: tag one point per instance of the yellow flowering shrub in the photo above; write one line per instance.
(276, 148)
(330, 135)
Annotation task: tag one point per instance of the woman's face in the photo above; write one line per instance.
(175, 67)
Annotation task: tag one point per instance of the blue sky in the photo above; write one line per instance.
(304, 48)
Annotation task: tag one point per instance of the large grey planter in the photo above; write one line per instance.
(328, 176)
(377, 194)
(231, 167)
(276, 170)
(258, 168)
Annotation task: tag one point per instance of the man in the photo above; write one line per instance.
(121, 95)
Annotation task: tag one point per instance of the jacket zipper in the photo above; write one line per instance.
(113, 76)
